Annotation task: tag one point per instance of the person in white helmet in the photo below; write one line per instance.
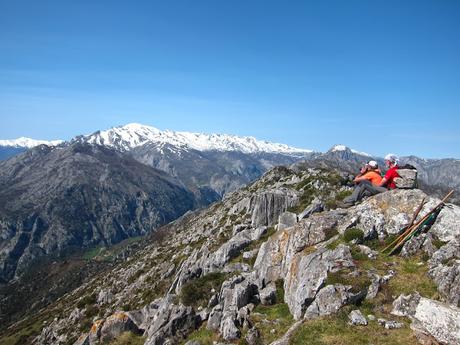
(378, 185)
(391, 161)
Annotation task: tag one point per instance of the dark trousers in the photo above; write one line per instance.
(364, 188)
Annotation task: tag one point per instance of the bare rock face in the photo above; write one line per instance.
(266, 207)
(434, 318)
(445, 271)
(286, 220)
(170, 321)
(307, 274)
(275, 256)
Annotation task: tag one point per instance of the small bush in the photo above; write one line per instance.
(198, 291)
(353, 234)
(279, 291)
(128, 338)
(359, 283)
(91, 311)
(88, 299)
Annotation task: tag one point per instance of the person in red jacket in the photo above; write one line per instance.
(366, 187)
(391, 161)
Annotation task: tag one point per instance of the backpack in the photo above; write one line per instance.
(408, 177)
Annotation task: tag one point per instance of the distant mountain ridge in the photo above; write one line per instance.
(28, 142)
(13, 147)
(134, 135)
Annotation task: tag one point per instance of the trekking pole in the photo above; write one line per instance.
(408, 228)
(420, 222)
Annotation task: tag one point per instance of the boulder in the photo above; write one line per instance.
(116, 324)
(445, 271)
(252, 337)
(439, 320)
(329, 300)
(315, 206)
(104, 297)
(171, 321)
(215, 318)
(357, 318)
(267, 295)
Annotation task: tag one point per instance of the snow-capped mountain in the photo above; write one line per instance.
(28, 142)
(339, 147)
(11, 148)
(133, 135)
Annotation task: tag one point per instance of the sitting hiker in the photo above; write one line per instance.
(391, 161)
(369, 184)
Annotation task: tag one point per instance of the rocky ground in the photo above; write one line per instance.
(274, 263)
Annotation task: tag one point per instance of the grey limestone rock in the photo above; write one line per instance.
(250, 254)
(116, 324)
(267, 295)
(266, 207)
(252, 337)
(412, 246)
(193, 342)
(329, 300)
(371, 254)
(215, 318)
(357, 318)
(82, 340)
(104, 297)
(373, 289)
(286, 220)
(445, 271)
(170, 321)
(315, 206)
(308, 274)
(437, 319)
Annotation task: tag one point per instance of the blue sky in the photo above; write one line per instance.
(378, 76)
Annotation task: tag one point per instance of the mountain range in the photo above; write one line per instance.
(102, 188)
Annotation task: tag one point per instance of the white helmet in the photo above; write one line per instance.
(392, 158)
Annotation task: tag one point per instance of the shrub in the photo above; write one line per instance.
(353, 234)
(88, 299)
(198, 291)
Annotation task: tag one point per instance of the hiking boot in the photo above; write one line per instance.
(342, 204)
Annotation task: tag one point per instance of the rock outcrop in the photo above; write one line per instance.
(204, 274)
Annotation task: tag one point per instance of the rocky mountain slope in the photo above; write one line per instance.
(53, 200)
(208, 164)
(273, 263)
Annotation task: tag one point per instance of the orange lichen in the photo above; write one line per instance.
(96, 326)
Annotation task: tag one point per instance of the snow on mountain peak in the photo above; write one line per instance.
(28, 142)
(133, 135)
(344, 148)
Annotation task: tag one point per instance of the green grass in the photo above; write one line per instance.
(359, 283)
(412, 275)
(335, 330)
(24, 336)
(271, 321)
(128, 338)
(197, 292)
(203, 335)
